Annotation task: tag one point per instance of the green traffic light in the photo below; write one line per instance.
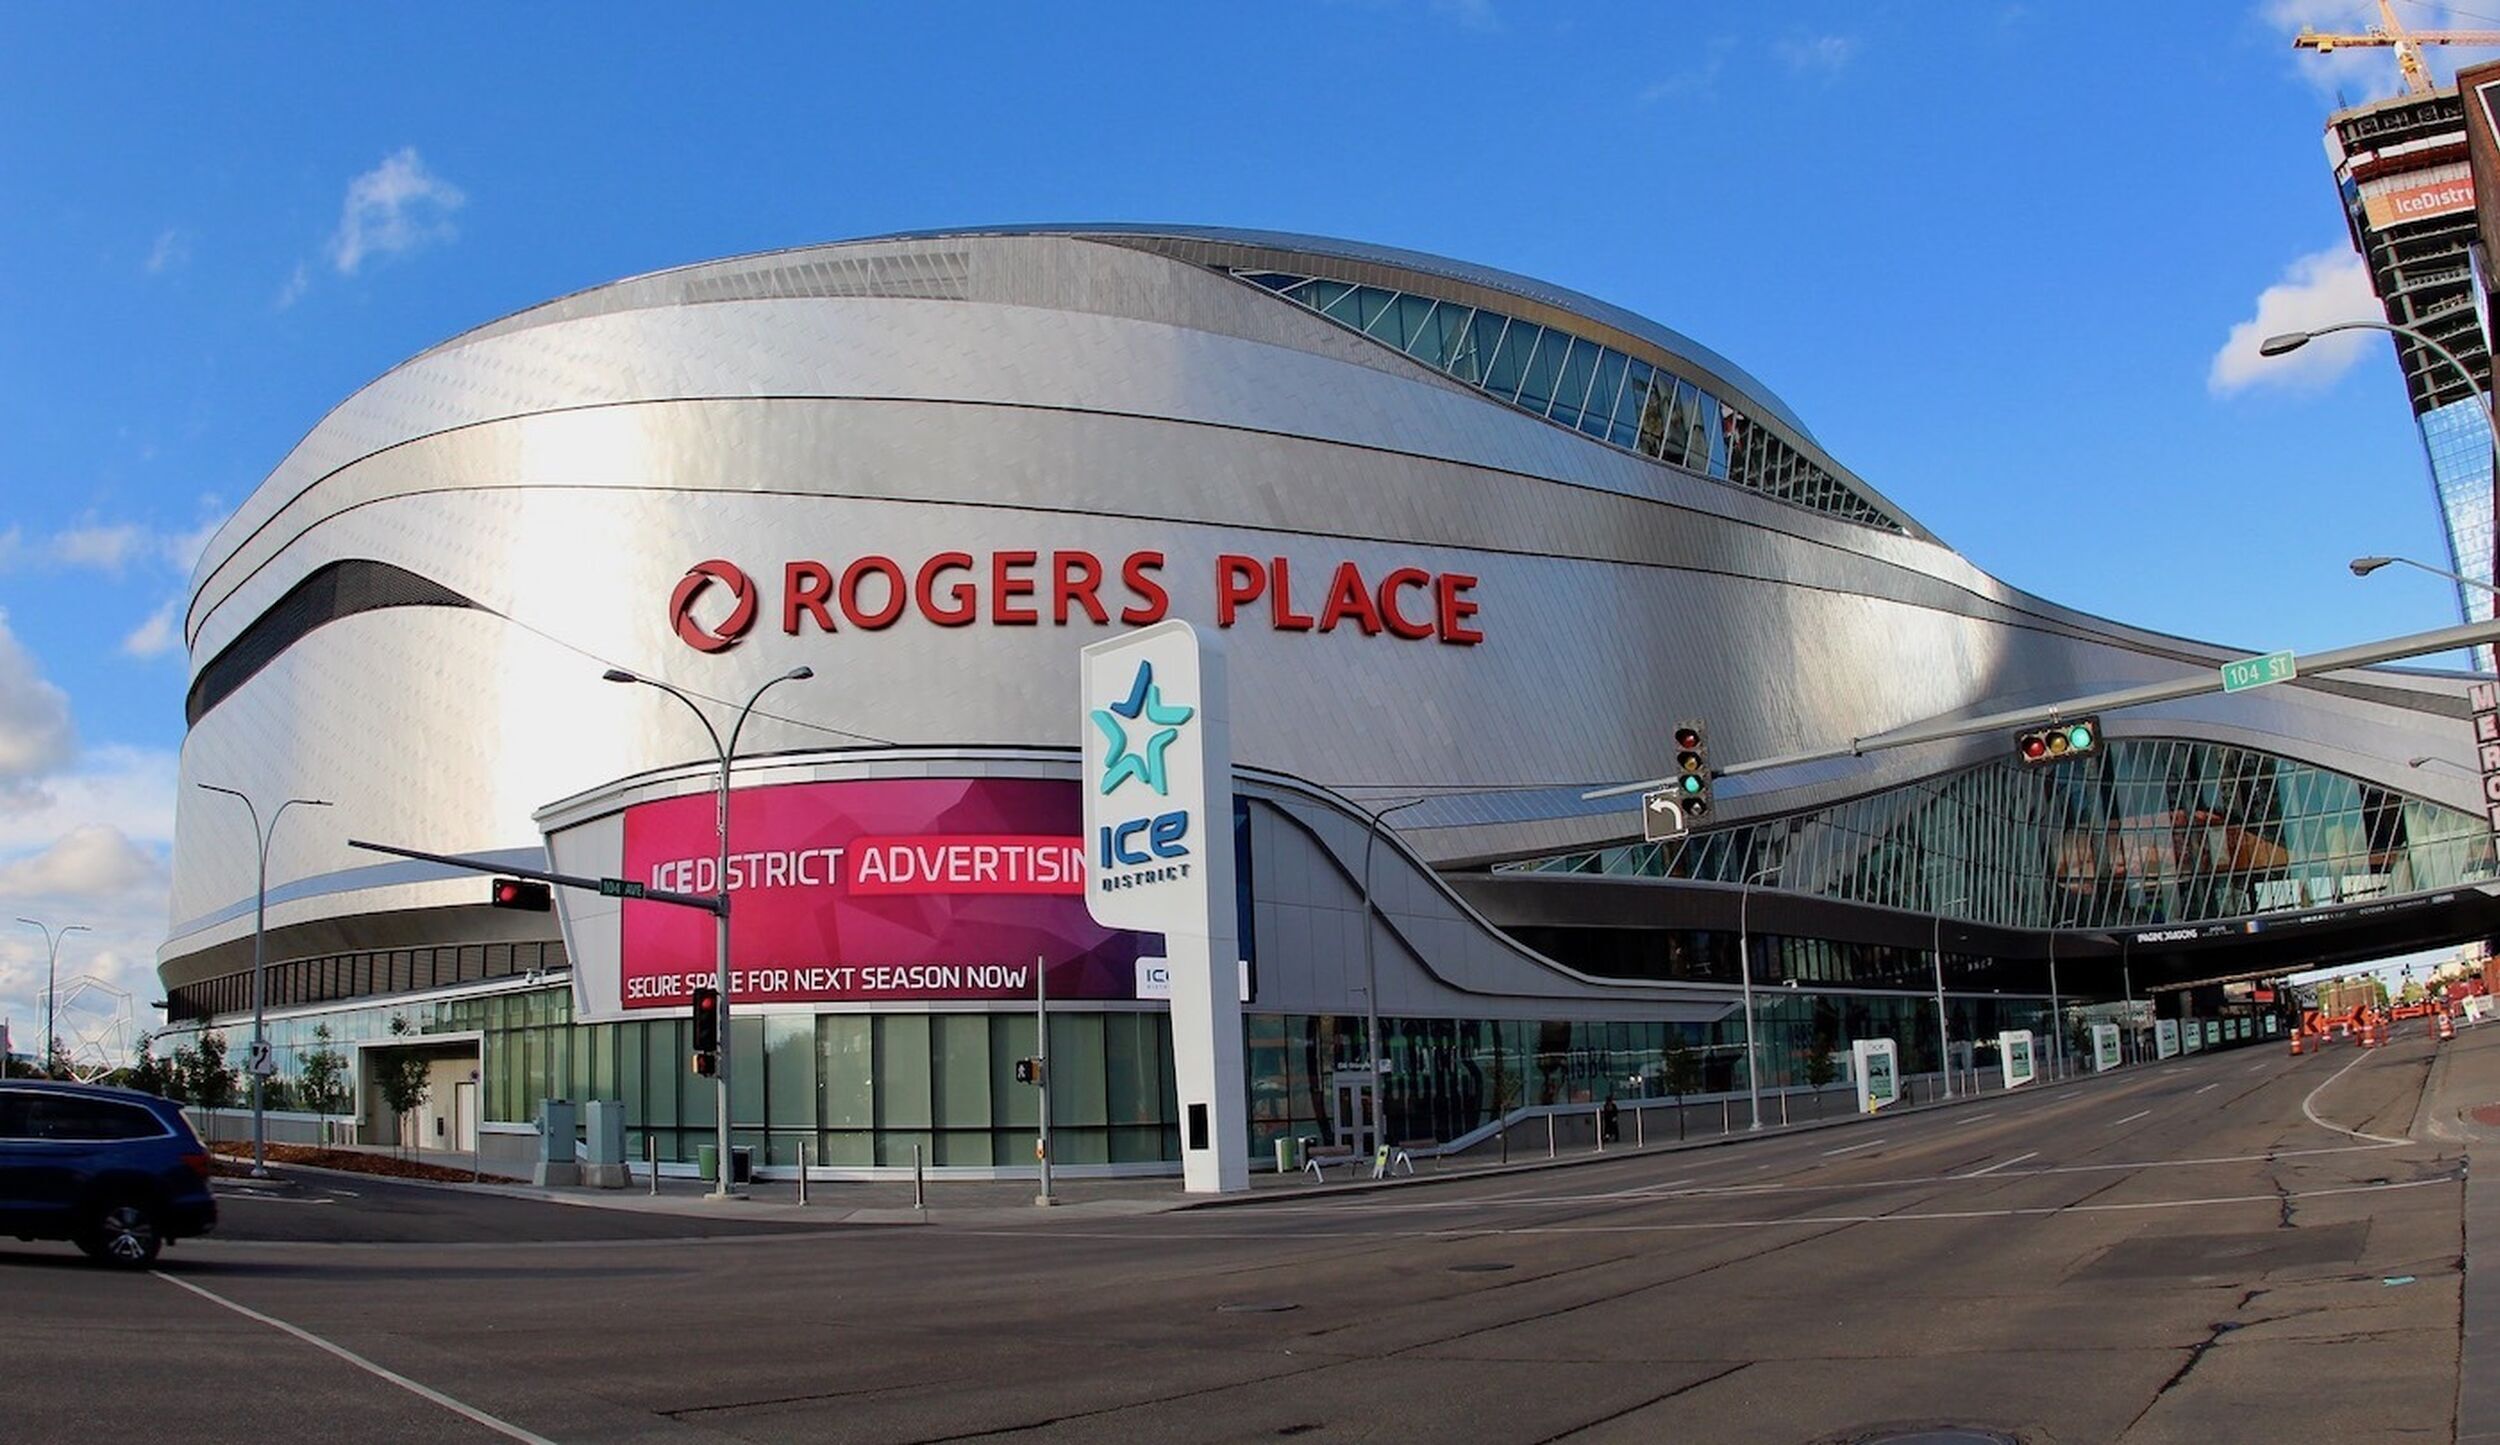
(1691, 782)
(2079, 736)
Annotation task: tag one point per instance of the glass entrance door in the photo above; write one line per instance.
(1357, 1096)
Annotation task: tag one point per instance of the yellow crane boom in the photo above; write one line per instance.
(2406, 43)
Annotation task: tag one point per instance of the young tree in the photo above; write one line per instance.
(323, 1080)
(400, 1076)
(148, 1073)
(211, 1082)
(1682, 1072)
(1820, 1070)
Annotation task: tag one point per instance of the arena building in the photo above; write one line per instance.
(1473, 545)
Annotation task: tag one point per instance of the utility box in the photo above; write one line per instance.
(603, 1163)
(556, 1163)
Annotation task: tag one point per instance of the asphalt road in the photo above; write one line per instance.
(2238, 1246)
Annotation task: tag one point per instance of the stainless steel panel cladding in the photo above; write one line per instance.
(1109, 394)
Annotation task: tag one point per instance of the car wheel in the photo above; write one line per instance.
(124, 1234)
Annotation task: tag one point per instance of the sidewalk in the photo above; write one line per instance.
(992, 1202)
(2465, 1084)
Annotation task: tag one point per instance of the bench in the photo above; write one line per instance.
(1315, 1162)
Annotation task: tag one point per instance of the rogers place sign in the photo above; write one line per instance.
(871, 593)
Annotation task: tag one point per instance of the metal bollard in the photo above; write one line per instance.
(1549, 1136)
(803, 1153)
(1783, 1108)
(919, 1183)
(1723, 1116)
(1640, 1128)
(651, 1156)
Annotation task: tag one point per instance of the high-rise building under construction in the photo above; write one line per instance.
(2408, 195)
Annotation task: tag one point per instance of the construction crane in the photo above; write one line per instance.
(2408, 44)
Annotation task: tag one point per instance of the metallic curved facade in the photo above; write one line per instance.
(1113, 392)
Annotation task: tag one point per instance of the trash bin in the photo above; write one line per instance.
(741, 1165)
(707, 1161)
(1288, 1154)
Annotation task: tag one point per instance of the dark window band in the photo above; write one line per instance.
(341, 589)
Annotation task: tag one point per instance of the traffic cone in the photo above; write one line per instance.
(2295, 1043)
(2447, 1027)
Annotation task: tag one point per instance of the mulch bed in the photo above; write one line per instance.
(352, 1160)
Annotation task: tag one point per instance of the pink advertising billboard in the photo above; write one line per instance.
(888, 889)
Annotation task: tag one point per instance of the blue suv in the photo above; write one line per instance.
(115, 1171)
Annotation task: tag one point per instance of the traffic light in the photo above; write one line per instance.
(1692, 772)
(707, 1031)
(2075, 738)
(522, 893)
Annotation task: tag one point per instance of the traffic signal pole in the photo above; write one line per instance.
(2466, 635)
(1041, 1022)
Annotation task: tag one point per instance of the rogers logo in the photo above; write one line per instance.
(741, 616)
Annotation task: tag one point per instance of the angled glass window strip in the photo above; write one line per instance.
(1574, 382)
(1536, 381)
(1571, 388)
(2143, 835)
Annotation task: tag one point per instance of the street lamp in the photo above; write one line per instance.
(260, 941)
(1744, 967)
(1944, 1041)
(2364, 566)
(51, 984)
(1371, 968)
(720, 919)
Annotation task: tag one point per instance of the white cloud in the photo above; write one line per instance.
(89, 863)
(85, 837)
(35, 732)
(160, 634)
(397, 206)
(104, 548)
(171, 251)
(1825, 55)
(1699, 79)
(2317, 290)
(183, 549)
(296, 285)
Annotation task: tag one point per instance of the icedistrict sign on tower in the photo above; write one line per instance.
(1159, 859)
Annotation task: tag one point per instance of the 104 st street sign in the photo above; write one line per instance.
(2251, 672)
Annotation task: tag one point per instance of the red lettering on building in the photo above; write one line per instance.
(805, 586)
(1075, 577)
(1152, 601)
(967, 596)
(1237, 580)
(897, 593)
(1390, 613)
(1010, 579)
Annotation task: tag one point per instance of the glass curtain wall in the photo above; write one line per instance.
(2149, 832)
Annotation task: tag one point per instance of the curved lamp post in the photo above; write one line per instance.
(720, 920)
(1371, 968)
(2290, 341)
(51, 984)
(1944, 1040)
(1744, 967)
(260, 941)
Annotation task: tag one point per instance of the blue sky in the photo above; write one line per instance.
(1989, 252)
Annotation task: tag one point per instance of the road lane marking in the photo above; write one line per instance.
(2138, 1114)
(1689, 1226)
(467, 1412)
(1852, 1148)
(2261, 1063)
(1975, 1118)
(2206, 1089)
(1993, 1168)
(2308, 1107)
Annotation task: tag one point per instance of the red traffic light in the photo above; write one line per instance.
(706, 1022)
(523, 894)
(1688, 738)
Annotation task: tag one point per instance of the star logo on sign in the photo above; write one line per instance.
(1144, 703)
